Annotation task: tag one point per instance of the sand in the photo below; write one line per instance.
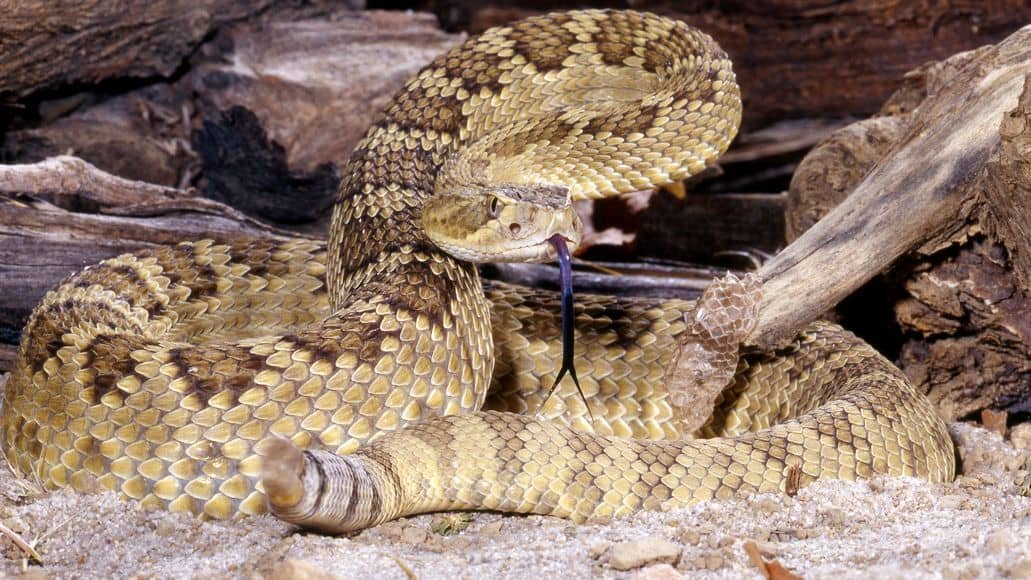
(976, 527)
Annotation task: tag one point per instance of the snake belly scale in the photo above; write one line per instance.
(163, 374)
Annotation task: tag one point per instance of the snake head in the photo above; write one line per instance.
(507, 223)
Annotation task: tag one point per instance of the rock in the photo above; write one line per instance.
(294, 569)
(638, 553)
(1020, 436)
(994, 421)
(492, 529)
(414, 535)
(999, 541)
(659, 572)
(596, 550)
(1021, 570)
(690, 537)
(714, 561)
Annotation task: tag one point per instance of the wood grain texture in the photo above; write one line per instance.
(48, 228)
(920, 189)
(961, 304)
(46, 44)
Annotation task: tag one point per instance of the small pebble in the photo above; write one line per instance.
(998, 541)
(459, 543)
(690, 537)
(638, 553)
(767, 549)
(968, 482)
(391, 530)
(493, 528)
(659, 572)
(834, 515)
(767, 506)
(294, 569)
(714, 561)
(413, 535)
(164, 528)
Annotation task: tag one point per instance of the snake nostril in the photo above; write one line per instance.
(514, 228)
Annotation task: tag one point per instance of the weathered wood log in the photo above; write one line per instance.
(965, 306)
(797, 58)
(315, 85)
(43, 241)
(920, 190)
(46, 44)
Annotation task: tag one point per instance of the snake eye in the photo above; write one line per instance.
(494, 206)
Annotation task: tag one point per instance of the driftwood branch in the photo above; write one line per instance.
(921, 189)
(69, 181)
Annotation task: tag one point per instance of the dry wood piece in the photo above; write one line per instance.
(1008, 188)
(965, 305)
(8, 352)
(969, 326)
(920, 191)
(70, 182)
(994, 421)
(46, 43)
(317, 85)
(771, 570)
(135, 215)
(829, 172)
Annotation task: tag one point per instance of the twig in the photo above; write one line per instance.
(22, 544)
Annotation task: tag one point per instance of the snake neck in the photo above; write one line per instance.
(381, 266)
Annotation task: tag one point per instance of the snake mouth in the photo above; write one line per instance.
(551, 249)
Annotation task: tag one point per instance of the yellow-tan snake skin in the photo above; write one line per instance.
(162, 374)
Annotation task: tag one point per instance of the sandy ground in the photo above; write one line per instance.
(977, 527)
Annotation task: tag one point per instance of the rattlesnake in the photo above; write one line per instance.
(163, 374)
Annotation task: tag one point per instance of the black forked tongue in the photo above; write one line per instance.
(565, 267)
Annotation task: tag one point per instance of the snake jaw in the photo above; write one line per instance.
(511, 223)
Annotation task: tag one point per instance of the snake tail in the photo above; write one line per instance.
(520, 464)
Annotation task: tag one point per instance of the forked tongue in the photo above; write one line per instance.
(565, 267)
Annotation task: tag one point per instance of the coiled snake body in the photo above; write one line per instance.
(163, 374)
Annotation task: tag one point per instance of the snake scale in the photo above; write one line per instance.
(190, 377)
